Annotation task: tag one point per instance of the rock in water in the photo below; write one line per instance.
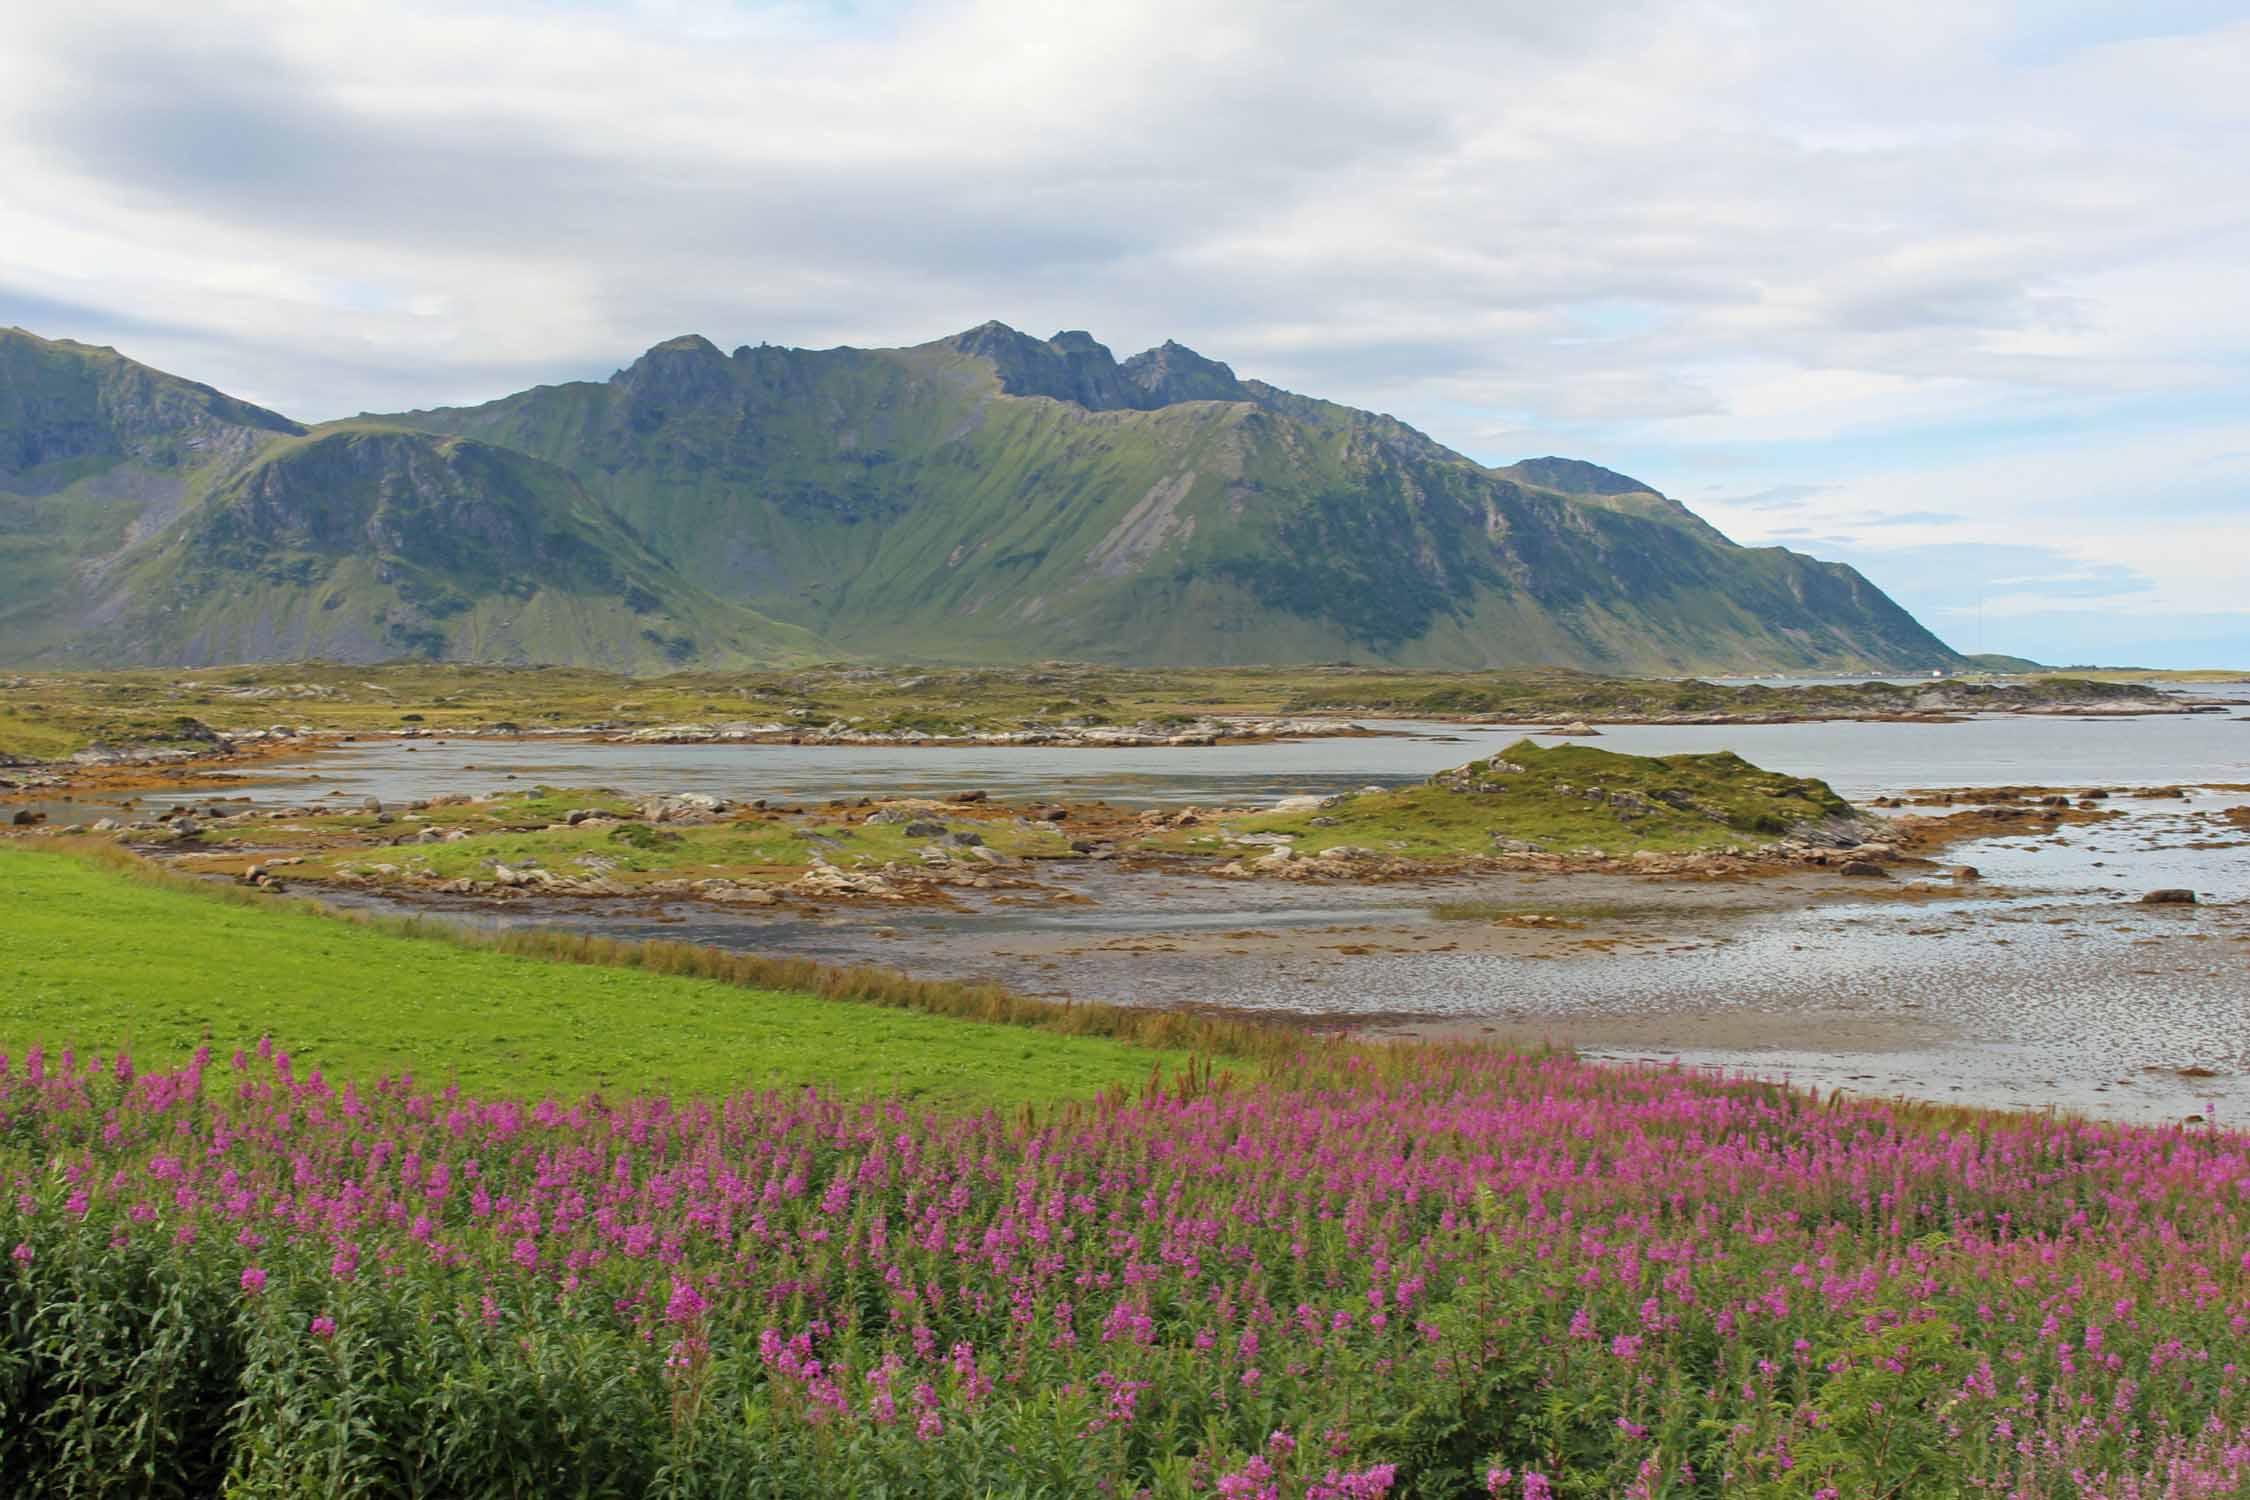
(2169, 897)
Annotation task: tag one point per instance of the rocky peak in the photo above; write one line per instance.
(1071, 366)
(681, 370)
(1074, 366)
(1173, 372)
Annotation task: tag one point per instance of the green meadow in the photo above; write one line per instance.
(98, 954)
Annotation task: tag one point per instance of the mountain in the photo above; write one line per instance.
(989, 496)
(994, 496)
(98, 454)
(145, 519)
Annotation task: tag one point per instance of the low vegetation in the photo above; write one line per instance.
(1425, 1273)
(1556, 695)
(1569, 799)
(626, 854)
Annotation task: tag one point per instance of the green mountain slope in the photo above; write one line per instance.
(155, 521)
(97, 455)
(984, 497)
(993, 497)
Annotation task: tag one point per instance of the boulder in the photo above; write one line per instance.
(827, 880)
(734, 894)
(676, 807)
(2169, 897)
(1962, 874)
(1863, 869)
(1297, 805)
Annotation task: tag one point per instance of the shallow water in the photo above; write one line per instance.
(1860, 759)
(2044, 986)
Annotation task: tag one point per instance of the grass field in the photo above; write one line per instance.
(95, 956)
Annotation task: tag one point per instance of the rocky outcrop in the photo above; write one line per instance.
(1208, 731)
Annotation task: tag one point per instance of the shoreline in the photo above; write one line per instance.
(164, 767)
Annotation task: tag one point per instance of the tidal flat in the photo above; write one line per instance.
(2044, 983)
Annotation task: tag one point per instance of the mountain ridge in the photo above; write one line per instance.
(991, 496)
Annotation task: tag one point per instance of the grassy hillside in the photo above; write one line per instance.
(363, 543)
(359, 543)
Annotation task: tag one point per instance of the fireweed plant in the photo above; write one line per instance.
(1418, 1272)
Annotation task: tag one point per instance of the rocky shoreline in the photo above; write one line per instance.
(970, 843)
(1196, 732)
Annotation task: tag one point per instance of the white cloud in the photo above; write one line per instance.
(1904, 252)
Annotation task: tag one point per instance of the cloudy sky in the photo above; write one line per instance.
(1953, 292)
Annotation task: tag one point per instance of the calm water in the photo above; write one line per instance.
(1861, 760)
